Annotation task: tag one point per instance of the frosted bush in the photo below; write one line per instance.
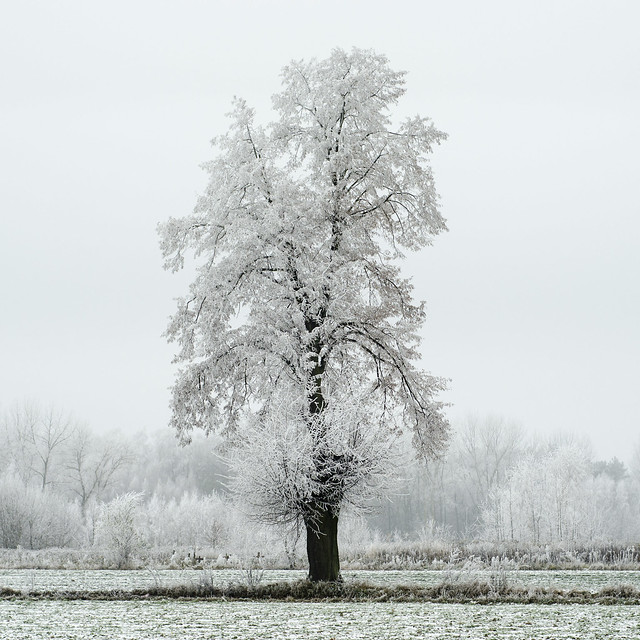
(118, 530)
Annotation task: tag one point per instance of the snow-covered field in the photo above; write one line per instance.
(155, 619)
(35, 620)
(40, 580)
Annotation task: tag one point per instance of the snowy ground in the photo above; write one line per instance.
(44, 579)
(35, 620)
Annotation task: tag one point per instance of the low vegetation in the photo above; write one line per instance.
(408, 555)
(379, 555)
(479, 592)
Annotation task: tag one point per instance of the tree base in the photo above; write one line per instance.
(322, 548)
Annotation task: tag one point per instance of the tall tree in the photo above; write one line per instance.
(298, 339)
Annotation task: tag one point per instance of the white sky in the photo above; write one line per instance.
(106, 113)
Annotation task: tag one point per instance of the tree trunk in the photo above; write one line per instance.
(322, 548)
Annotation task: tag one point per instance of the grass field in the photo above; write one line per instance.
(95, 580)
(36, 620)
(23, 616)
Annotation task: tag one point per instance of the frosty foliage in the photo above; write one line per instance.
(298, 299)
(554, 496)
(359, 455)
(32, 517)
(119, 529)
(193, 521)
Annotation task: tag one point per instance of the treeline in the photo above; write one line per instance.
(57, 477)
(63, 485)
(498, 484)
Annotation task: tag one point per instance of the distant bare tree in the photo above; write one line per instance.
(486, 449)
(92, 465)
(35, 438)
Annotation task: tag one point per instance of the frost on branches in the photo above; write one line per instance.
(277, 455)
(298, 339)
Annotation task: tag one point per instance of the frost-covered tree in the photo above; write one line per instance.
(299, 309)
(119, 529)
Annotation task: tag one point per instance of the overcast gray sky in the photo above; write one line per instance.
(107, 110)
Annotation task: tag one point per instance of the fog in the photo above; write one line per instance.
(533, 301)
